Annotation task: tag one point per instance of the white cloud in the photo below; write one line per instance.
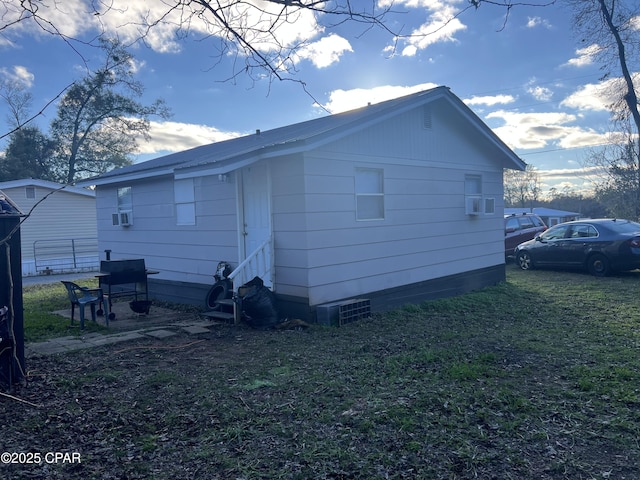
(69, 17)
(490, 100)
(571, 172)
(343, 100)
(585, 56)
(127, 19)
(533, 22)
(325, 51)
(542, 94)
(579, 179)
(18, 74)
(175, 137)
(441, 25)
(595, 96)
(578, 137)
(539, 130)
(408, 51)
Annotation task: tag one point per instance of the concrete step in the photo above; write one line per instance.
(225, 302)
(219, 315)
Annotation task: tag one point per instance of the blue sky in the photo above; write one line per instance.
(528, 78)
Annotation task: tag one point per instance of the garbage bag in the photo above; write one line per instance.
(259, 305)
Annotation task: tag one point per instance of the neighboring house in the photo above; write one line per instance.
(549, 216)
(60, 234)
(553, 217)
(395, 202)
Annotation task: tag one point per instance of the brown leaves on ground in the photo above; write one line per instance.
(480, 387)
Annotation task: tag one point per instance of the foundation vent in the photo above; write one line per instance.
(341, 313)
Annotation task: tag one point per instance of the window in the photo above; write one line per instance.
(537, 222)
(125, 201)
(526, 222)
(473, 194)
(473, 185)
(512, 224)
(475, 203)
(489, 206)
(556, 233)
(369, 194)
(583, 231)
(30, 192)
(185, 199)
(124, 214)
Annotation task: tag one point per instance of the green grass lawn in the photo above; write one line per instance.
(535, 378)
(40, 323)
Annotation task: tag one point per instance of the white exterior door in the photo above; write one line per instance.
(256, 217)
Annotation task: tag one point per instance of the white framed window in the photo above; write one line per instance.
(30, 192)
(185, 200)
(125, 199)
(124, 214)
(369, 188)
(475, 203)
(489, 206)
(473, 194)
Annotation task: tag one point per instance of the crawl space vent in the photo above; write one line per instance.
(341, 313)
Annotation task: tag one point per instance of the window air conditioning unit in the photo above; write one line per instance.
(473, 205)
(124, 218)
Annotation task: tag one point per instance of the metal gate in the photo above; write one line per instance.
(66, 255)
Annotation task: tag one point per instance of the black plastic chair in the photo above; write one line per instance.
(83, 296)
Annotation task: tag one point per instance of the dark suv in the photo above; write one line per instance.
(520, 228)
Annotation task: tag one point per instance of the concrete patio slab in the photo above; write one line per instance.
(195, 329)
(160, 333)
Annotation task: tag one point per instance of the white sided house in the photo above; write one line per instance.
(395, 202)
(60, 233)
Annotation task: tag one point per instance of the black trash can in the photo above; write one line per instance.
(12, 363)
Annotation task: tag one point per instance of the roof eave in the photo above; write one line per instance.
(145, 174)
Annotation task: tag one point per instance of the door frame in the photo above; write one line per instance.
(240, 200)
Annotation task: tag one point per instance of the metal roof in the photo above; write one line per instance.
(227, 155)
(551, 212)
(28, 182)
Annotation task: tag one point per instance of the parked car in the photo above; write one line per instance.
(600, 246)
(520, 228)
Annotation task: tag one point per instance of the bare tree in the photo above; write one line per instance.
(610, 26)
(18, 100)
(521, 189)
(617, 187)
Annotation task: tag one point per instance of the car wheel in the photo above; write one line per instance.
(524, 260)
(598, 265)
